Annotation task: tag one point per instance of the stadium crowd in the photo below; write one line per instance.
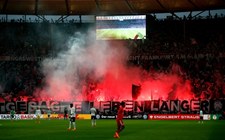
(194, 49)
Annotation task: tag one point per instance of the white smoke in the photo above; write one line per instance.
(66, 75)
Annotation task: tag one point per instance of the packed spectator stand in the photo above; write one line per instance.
(193, 48)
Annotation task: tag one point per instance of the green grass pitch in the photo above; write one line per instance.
(134, 130)
(124, 33)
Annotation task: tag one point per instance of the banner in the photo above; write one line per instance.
(17, 116)
(175, 56)
(83, 116)
(173, 117)
(140, 107)
(52, 116)
(206, 117)
(43, 116)
(138, 116)
(215, 116)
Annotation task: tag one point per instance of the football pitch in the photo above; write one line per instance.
(134, 130)
(122, 33)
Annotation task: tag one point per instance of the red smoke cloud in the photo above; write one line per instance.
(99, 72)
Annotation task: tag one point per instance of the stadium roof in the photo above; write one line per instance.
(107, 7)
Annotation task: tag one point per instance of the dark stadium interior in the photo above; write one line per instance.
(112, 69)
(107, 7)
(192, 48)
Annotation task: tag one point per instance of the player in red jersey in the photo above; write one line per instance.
(119, 120)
